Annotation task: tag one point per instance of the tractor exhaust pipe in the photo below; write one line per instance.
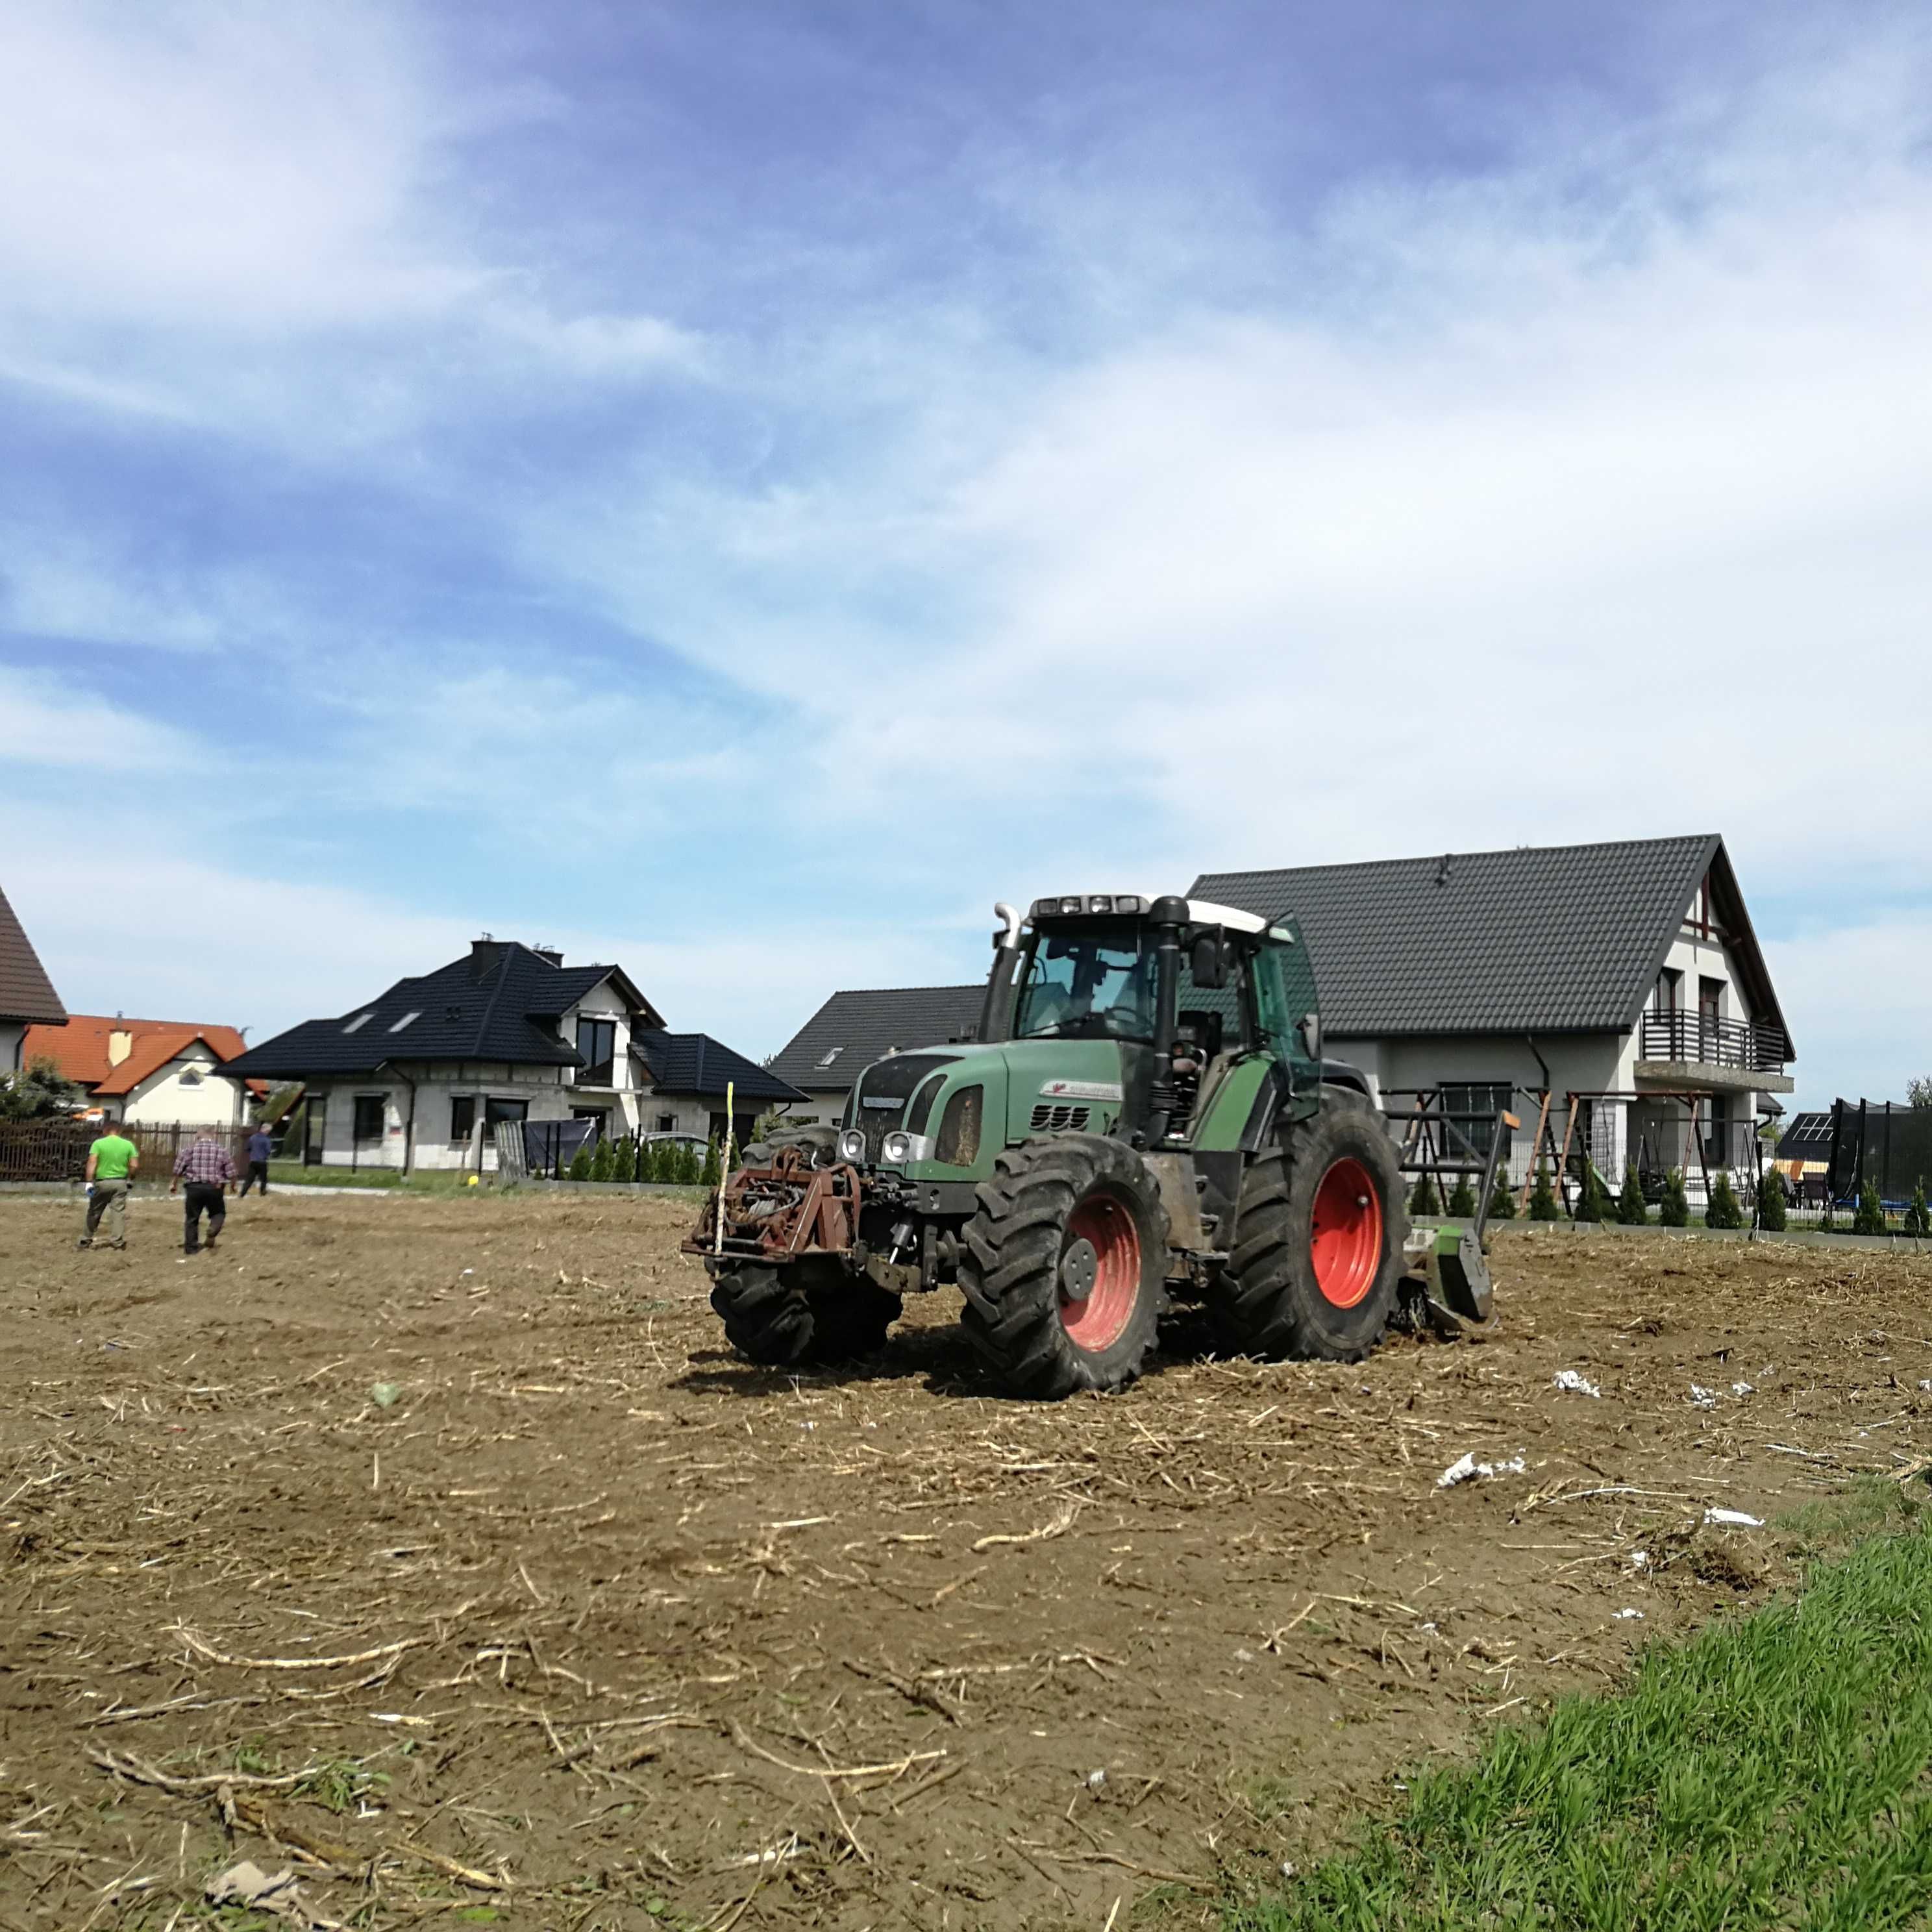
(1170, 915)
(996, 1010)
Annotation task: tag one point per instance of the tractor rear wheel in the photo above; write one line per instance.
(811, 1312)
(1063, 1266)
(1319, 1245)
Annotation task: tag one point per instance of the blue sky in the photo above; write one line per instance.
(736, 488)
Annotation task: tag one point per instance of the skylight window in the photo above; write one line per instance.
(360, 1020)
(830, 1058)
(405, 1020)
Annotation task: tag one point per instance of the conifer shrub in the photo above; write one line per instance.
(1918, 1212)
(1502, 1200)
(1723, 1211)
(603, 1167)
(1593, 1199)
(1462, 1198)
(709, 1174)
(1869, 1216)
(1422, 1202)
(690, 1167)
(580, 1164)
(1771, 1202)
(1632, 1210)
(1674, 1211)
(1542, 1197)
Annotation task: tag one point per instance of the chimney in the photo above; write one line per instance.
(553, 954)
(483, 954)
(120, 1044)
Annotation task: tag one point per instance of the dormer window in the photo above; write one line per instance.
(361, 1020)
(597, 1047)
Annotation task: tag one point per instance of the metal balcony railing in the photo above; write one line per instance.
(1686, 1038)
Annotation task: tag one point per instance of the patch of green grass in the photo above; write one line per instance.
(293, 1173)
(1776, 1771)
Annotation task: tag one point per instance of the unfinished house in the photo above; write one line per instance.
(27, 997)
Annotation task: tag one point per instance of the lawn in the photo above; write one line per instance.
(1771, 1772)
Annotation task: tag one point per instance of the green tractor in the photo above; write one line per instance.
(1144, 1114)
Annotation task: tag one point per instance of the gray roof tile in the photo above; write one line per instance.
(694, 1063)
(856, 1028)
(1549, 939)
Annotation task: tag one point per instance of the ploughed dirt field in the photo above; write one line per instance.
(439, 1551)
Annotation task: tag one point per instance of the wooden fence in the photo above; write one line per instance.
(56, 1150)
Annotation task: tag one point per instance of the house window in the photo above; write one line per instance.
(462, 1116)
(369, 1109)
(667, 1123)
(190, 1077)
(1471, 1110)
(827, 1059)
(1718, 1131)
(360, 1020)
(596, 1047)
(496, 1112)
(405, 1019)
(1669, 990)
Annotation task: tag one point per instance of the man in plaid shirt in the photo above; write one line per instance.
(207, 1167)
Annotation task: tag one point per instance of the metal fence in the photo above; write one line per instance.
(56, 1150)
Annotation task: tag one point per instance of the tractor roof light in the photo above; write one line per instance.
(1055, 907)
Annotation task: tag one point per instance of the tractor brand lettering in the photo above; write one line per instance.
(1081, 1090)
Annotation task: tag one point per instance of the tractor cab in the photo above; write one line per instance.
(1191, 992)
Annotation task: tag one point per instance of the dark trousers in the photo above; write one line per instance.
(257, 1175)
(204, 1197)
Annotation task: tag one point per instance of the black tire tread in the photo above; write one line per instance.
(1009, 1267)
(811, 1312)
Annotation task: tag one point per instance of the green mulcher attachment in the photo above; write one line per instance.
(1448, 1268)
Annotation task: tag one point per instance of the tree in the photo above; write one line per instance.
(708, 1175)
(1462, 1199)
(37, 1093)
(1868, 1218)
(580, 1163)
(1918, 1212)
(1919, 1092)
(1543, 1199)
(690, 1170)
(1723, 1211)
(1674, 1211)
(1502, 1200)
(1632, 1210)
(1422, 1202)
(1593, 1197)
(1771, 1202)
(603, 1166)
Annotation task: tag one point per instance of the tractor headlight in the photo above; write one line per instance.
(898, 1148)
(852, 1145)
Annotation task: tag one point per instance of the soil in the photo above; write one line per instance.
(440, 1550)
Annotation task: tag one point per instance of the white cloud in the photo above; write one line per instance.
(48, 724)
(1855, 997)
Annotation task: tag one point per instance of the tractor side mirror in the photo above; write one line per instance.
(1208, 965)
(1310, 1026)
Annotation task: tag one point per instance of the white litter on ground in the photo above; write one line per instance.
(1624, 1616)
(1744, 1388)
(1637, 1559)
(1924, 1385)
(1465, 1466)
(1736, 1518)
(1568, 1378)
(1701, 1397)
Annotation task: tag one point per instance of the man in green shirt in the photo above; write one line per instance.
(113, 1162)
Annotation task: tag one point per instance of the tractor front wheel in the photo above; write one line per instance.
(1063, 1266)
(809, 1312)
(1319, 1245)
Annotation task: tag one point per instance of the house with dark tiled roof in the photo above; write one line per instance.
(1626, 974)
(148, 1073)
(421, 1076)
(854, 1028)
(27, 996)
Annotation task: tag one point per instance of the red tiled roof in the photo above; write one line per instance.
(79, 1049)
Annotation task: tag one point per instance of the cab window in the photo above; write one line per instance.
(1088, 984)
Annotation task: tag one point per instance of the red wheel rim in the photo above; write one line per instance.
(1102, 1319)
(1346, 1242)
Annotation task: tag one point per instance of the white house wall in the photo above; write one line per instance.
(186, 1090)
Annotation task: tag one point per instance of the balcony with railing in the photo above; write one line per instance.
(1751, 1055)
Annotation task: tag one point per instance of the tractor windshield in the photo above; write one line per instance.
(1088, 982)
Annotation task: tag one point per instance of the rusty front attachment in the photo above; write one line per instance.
(776, 1214)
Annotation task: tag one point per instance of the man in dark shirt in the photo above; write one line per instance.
(205, 1164)
(258, 1163)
